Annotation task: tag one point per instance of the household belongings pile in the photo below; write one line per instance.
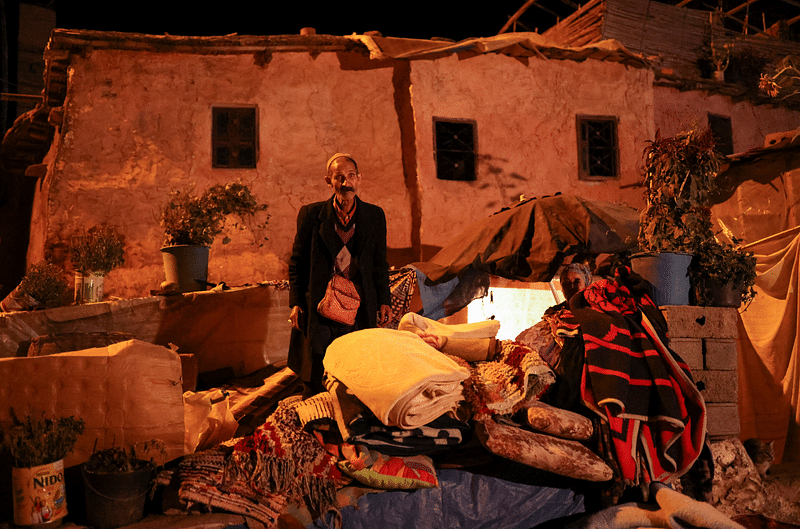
(395, 397)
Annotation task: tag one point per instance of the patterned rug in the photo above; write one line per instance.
(260, 474)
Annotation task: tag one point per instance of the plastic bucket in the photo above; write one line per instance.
(39, 494)
(114, 499)
(187, 266)
(668, 273)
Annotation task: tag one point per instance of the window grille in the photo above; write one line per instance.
(598, 150)
(722, 130)
(455, 149)
(233, 137)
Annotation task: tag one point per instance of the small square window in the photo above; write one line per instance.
(722, 130)
(454, 149)
(233, 137)
(598, 150)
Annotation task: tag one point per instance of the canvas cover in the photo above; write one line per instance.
(529, 241)
(769, 372)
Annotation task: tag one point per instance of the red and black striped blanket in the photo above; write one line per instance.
(632, 379)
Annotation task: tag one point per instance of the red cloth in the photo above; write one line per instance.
(631, 378)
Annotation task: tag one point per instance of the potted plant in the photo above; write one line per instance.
(116, 483)
(37, 447)
(191, 223)
(722, 275)
(42, 287)
(95, 253)
(679, 177)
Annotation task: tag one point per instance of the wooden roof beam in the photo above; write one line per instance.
(520, 11)
(740, 7)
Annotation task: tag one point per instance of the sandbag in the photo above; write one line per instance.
(556, 421)
(560, 456)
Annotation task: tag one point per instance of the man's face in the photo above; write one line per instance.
(343, 178)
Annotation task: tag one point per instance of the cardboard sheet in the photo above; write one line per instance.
(126, 393)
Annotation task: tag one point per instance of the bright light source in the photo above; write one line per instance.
(516, 307)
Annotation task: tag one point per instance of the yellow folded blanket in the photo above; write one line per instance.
(403, 380)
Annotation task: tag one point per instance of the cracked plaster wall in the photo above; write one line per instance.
(526, 133)
(137, 125)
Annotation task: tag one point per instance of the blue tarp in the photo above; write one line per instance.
(463, 499)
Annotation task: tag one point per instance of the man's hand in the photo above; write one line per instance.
(384, 315)
(294, 317)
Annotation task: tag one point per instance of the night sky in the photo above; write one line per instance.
(451, 19)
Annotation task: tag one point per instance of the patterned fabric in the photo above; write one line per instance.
(644, 390)
(344, 257)
(260, 474)
(501, 386)
(401, 285)
(200, 478)
(281, 458)
(439, 434)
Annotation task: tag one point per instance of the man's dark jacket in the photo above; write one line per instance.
(311, 267)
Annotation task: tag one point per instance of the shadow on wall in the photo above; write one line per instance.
(510, 184)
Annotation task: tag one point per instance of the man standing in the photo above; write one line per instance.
(344, 234)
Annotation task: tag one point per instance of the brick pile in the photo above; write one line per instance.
(705, 337)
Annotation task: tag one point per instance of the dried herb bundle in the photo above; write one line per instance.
(679, 178)
(97, 251)
(44, 283)
(117, 459)
(197, 220)
(35, 442)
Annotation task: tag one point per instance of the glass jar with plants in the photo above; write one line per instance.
(722, 274)
(679, 177)
(94, 253)
(38, 446)
(192, 222)
(42, 287)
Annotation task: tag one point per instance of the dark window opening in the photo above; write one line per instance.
(233, 138)
(598, 150)
(723, 132)
(454, 149)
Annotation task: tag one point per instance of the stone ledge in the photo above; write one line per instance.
(686, 321)
(722, 420)
(720, 354)
(720, 386)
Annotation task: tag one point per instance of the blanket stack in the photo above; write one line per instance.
(404, 381)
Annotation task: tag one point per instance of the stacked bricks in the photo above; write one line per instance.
(705, 338)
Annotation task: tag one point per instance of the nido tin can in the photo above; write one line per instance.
(39, 494)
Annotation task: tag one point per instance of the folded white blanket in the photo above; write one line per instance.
(403, 380)
(411, 321)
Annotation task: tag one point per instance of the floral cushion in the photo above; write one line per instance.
(384, 472)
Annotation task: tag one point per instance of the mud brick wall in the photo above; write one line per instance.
(705, 337)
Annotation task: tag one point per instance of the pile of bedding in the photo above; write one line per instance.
(397, 399)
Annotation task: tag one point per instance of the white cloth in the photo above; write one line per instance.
(404, 381)
(413, 322)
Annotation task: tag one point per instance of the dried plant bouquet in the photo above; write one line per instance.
(33, 442)
(97, 251)
(44, 282)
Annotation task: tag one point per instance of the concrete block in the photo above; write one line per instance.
(719, 386)
(720, 354)
(685, 321)
(690, 350)
(722, 420)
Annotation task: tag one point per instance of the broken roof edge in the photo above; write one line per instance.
(523, 44)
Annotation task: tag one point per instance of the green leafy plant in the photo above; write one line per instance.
(715, 264)
(44, 282)
(191, 219)
(38, 441)
(117, 459)
(97, 251)
(679, 178)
